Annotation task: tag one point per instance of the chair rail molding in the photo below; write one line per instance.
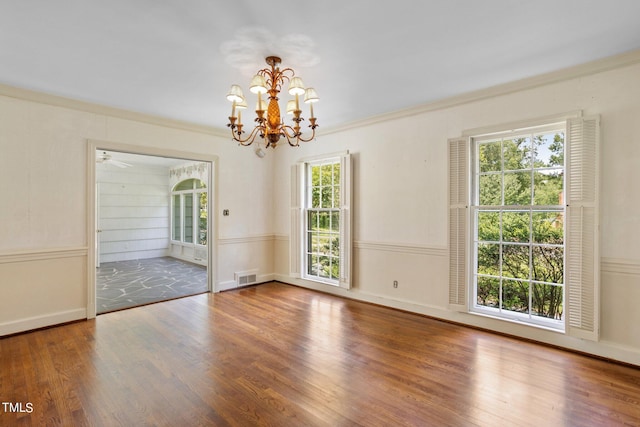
(27, 255)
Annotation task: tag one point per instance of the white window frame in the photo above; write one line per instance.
(307, 227)
(582, 260)
(298, 235)
(195, 192)
(475, 208)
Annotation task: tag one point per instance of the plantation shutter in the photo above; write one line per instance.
(345, 221)
(295, 234)
(458, 222)
(582, 270)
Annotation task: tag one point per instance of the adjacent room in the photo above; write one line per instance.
(151, 235)
(339, 213)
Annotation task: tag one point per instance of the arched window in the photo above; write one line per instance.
(189, 212)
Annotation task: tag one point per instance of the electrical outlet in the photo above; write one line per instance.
(395, 283)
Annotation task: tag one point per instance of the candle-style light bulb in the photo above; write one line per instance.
(311, 97)
(241, 106)
(235, 95)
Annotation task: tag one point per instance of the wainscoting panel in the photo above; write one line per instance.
(241, 254)
(422, 275)
(620, 288)
(42, 288)
(418, 270)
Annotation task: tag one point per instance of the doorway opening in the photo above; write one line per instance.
(152, 225)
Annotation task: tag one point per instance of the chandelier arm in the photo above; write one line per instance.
(297, 135)
(313, 135)
(284, 131)
(249, 139)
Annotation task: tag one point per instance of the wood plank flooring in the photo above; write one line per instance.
(278, 355)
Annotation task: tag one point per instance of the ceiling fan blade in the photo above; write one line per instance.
(107, 159)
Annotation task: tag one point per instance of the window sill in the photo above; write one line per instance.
(515, 318)
(321, 280)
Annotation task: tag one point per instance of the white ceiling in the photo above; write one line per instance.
(177, 58)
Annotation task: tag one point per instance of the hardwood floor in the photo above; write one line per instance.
(279, 355)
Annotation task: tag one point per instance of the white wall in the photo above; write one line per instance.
(134, 212)
(44, 249)
(43, 222)
(400, 202)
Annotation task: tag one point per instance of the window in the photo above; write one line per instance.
(320, 236)
(322, 225)
(189, 212)
(517, 223)
(523, 240)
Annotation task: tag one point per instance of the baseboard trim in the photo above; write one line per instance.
(200, 262)
(231, 284)
(602, 349)
(226, 285)
(37, 322)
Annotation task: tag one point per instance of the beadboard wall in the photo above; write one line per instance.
(133, 212)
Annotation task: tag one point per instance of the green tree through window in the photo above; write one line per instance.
(519, 224)
(189, 212)
(323, 220)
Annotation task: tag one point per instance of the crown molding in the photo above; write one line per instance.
(589, 68)
(601, 65)
(89, 107)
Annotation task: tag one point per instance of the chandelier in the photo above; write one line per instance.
(271, 127)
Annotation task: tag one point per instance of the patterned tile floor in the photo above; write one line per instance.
(126, 284)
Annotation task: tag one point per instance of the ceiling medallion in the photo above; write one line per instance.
(271, 127)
